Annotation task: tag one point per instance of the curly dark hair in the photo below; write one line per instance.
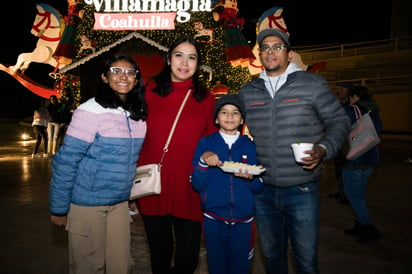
(163, 79)
(135, 101)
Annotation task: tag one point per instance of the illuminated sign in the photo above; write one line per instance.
(134, 21)
(144, 14)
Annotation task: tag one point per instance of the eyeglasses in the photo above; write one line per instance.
(275, 48)
(129, 72)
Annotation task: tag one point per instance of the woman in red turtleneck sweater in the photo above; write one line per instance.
(173, 218)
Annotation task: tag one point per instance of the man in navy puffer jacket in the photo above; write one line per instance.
(283, 105)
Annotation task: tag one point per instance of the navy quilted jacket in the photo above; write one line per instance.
(303, 108)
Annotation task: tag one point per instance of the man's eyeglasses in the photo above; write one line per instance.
(275, 48)
(129, 72)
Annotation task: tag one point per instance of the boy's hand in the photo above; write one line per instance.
(244, 174)
(133, 208)
(211, 159)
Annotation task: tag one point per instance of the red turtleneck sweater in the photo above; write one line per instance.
(178, 197)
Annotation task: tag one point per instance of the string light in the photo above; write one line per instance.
(213, 52)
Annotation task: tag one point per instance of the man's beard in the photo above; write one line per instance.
(274, 69)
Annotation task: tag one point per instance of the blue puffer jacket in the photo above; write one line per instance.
(223, 195)
(96, 163)
(303, 108)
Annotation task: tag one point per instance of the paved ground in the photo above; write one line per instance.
(30, 244)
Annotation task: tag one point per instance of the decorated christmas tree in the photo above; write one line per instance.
(201, 26)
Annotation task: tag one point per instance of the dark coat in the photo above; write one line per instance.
(303, 108)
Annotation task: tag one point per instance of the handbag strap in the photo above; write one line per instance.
(358, 113)
(165, 148)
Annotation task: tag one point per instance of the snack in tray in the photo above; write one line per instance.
(230, 166)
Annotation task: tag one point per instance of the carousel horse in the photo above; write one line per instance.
(86, 45)
(201, 31)
(272, 18)
(47, 25)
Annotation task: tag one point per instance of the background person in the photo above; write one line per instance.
(228, 200)
(173, 219)
(40, 118)
(342, 94)
(356, 173)
(93, 171)
(67, 106)
(282, 105)
(54, 125)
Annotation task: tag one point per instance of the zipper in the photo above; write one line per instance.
(231, 188)
(130, 135)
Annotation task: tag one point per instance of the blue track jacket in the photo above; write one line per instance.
(223, 195)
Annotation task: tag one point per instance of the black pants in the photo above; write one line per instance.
(168, 235)
(41, 134)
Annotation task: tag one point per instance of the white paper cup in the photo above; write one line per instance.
(298, 150)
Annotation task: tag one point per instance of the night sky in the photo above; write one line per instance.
(324, 22)
(309, 23)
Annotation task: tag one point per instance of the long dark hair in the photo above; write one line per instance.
(135, 102)
(163, 79)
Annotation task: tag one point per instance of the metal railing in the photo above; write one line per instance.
(319, 53)
(347, 63)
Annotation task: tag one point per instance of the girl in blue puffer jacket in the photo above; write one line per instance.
(93, 171)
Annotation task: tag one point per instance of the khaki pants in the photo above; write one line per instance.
(99, 239)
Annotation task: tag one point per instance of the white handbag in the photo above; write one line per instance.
(363, 135)
(147, 180)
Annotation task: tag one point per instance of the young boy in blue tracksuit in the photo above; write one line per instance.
(227, 198)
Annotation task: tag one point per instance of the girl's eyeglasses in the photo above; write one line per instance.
(129, 72)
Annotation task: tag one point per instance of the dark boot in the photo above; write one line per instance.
(354, 231)
(369, 233)
(336, 195)
(344, 200)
